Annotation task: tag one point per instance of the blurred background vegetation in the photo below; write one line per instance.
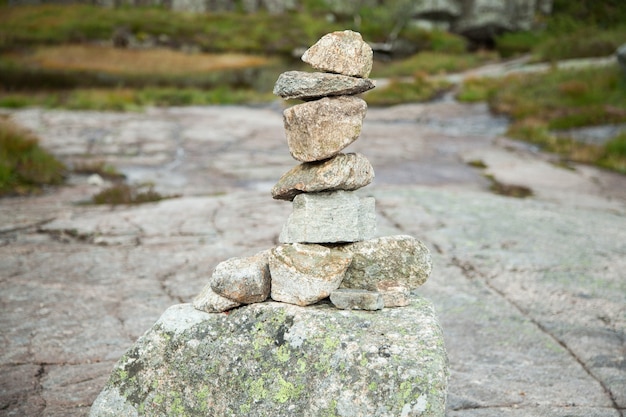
(123, 58)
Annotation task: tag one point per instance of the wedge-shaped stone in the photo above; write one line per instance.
(245, 280)
(351, 299)
(320, 129)
(313, 85)
(330, 217)
(346, 172)
(402, 259)
(211, 302)
(306, 274)
(342, 53)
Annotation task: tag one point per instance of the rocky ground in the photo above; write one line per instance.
(531, 293)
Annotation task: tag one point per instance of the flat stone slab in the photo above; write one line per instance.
(346, 172)
(348, 299)
(275, 359)
(313, 85)
(342, 52)
(330, 217)
(322, 128)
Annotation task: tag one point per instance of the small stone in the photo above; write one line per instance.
(211, 302)
(306, 274)
(244, 280)
(319, 129)
(342, 53)
(350, 299)
(401, 259)
(346, 172)
(313, 85)
(395, 294)
(330, 217)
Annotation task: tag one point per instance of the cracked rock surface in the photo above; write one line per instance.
(530, 292)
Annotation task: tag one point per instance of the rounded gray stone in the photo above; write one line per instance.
(305, 274)
(244, 280)
(342, 52)
(320, 129)
(275, 359)
(402, 259)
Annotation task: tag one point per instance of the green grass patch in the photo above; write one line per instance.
(564, 99)
(611, 155)
(420, 89)
(477, 89)
(128, 99)
(583, 43)
(223, 32)
(124, 194)
(516, 43)
(429, 62)
(25, 167)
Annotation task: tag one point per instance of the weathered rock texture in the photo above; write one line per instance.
(244, 280)
(394, 293)
(401, 259)
(280, 360)
(313, 85)
(342, 52)
(320, 129)
(330, 217)
(346, 172)
(350, 299)
(306, 274)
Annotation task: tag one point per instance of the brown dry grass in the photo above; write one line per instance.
(137, 61)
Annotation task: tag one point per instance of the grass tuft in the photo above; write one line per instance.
(124, 194)
(25, 167)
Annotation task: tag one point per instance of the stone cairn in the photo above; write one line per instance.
(327, 246)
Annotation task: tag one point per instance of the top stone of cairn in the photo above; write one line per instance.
(342, 52)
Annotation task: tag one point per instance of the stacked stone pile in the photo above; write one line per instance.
(279, 359)
(327, 245)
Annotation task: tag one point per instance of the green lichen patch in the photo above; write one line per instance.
(281, 360)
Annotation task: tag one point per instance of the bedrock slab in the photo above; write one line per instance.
(275, 359)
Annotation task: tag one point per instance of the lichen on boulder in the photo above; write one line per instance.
(276, 359)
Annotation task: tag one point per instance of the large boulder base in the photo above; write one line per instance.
(281, 360)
